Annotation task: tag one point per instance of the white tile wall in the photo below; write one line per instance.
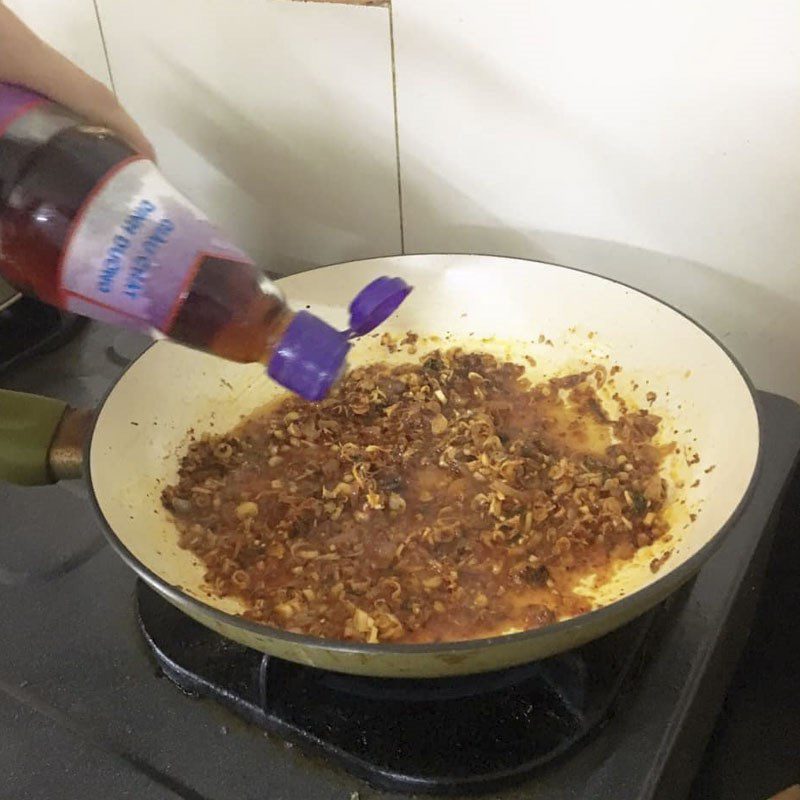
(655, 142)
(274, 117)
(71, 27)
(652, 141)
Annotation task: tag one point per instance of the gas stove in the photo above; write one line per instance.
(89, 705)
(29, 328)
(498, 727)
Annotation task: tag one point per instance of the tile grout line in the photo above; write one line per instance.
(105, 47)
(396, 131)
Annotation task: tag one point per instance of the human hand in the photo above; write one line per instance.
(27, 61)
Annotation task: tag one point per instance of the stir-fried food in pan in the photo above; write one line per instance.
(445, 499)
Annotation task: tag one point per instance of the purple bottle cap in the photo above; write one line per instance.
(376, 303)
(311, 355)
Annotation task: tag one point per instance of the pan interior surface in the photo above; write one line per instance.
(564, 319)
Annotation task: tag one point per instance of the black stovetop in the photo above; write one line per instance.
(29, 328)
(471, 733)
(85, 713)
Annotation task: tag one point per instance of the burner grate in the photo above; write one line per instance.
(441, 736)
(29, 328)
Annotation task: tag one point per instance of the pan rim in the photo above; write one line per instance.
(646, 597)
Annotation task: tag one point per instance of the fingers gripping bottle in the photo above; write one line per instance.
(89, 225)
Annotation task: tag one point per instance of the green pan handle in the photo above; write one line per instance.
(28, 426)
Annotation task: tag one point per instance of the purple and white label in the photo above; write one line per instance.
(14, 102)
(135, 248)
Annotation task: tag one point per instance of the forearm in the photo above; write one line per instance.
(28, 61)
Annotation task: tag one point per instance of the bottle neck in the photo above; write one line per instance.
(254, 332)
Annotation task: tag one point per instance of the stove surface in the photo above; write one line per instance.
(29, 328)
(83, 712)
(499, 727)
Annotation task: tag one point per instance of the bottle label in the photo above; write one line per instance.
(14, 103)
(135, 248)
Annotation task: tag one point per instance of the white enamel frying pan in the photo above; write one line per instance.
(562, 317)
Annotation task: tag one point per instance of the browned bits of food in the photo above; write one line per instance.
(438, 500)
(657, 563)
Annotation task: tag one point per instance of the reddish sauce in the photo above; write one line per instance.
(43, 188)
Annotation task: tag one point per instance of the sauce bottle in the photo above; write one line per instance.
(91, 226)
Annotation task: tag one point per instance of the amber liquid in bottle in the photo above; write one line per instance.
(43, 188)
